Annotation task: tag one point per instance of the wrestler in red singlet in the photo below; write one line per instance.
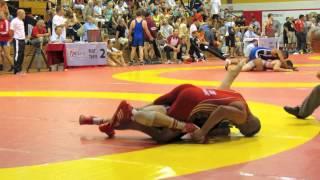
(182, 99)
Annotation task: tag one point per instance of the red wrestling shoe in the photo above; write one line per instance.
(123, 114)
(108, 129)
(89, 120)
(190, 128)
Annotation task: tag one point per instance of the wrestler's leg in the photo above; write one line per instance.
(232, 74)
(161, 135)
(157, 119)
(158, 108)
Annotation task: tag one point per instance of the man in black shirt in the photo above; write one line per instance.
(121, 33)
(289, 34)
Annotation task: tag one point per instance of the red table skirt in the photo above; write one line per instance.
(56, 53)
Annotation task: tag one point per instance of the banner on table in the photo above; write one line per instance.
(268, 42)
(86, 54)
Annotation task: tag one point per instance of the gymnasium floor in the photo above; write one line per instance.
(40, 137)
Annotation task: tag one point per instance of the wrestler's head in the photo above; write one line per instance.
(251, 127)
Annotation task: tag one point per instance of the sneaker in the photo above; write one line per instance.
(21, 73)
(168, 62)
(108, 129)
(293, 111)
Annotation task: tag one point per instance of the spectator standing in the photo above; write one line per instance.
(137, 27)
(19, 36)
(4, 40)
(255, 25)
(268, 29)
(59, 20)
(300, 34)
(289, 34)
(215, 8)
(121, 33)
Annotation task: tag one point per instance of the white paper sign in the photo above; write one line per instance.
(86, 54)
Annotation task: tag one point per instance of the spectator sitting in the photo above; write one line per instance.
(122, 9)
(115, 57)
(109, 18)
(79, 4)
(172, 45)
(4, 8)
(88, 25)
(88, 10)
(183, 29)
(166, 29)
(194, 50)
(197, 16)
(251, 45)
(39, 35)
(183, 55)
(57, 37)
(250, 33)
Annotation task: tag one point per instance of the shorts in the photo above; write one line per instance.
(291, 37)
(231, 41)
(4, 43)
(137, 42)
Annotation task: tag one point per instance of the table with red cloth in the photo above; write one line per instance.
(56, 53)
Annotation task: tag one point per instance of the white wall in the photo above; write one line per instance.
(307, 4)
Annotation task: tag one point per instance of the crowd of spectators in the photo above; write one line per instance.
(159, 31)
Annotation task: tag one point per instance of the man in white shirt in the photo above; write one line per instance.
(19, 36)
(193, 27)
(215, 8)
(59, 20)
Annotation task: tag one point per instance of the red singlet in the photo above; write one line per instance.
(184, 98)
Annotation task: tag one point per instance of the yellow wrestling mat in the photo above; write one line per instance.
(279, 133)
(154, 77)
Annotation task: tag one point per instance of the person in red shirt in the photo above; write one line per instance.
(301, 34)
(39, 35)
(197, 16)
(4, 40)
(149, 49)
(184, 109)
